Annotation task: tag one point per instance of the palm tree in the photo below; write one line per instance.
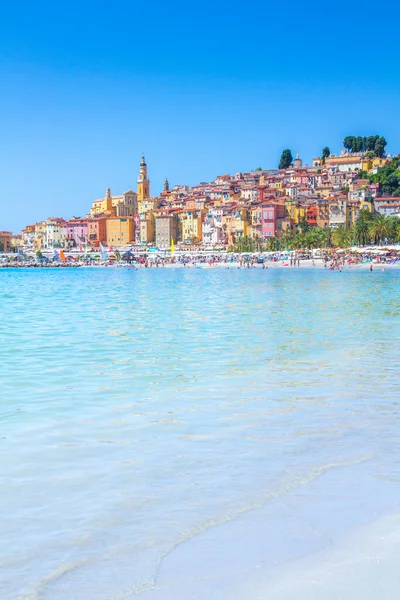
(340, 236)
(380, 228)
(394, 228)
(315, 238)
(299, 241)
(350, 235)
(362, 231)
(287, 239)
(304, 225)
(397, 233)
(273, 244)
(257, 243)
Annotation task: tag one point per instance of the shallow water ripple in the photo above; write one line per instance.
(142, 408)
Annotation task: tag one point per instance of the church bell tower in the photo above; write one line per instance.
(143, 182)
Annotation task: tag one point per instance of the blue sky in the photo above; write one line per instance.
(202, 89)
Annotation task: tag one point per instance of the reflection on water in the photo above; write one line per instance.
(140, 408)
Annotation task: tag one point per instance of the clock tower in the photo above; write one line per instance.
(143, 182)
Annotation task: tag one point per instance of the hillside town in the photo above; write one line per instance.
(259, 205)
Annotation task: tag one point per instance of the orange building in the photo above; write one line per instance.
(97, 231)
(312, 215)
(120, 231)
(5, 241)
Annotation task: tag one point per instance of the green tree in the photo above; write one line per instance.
(371, 141)
(273, 244)
(328, 232)
(394, 228)
(364, 144)
(286, 159)
(380, 146)
(258, 169)
(397, 234)
(358, 144)
(389, 178)
(380, 228)
(348, 143)
(340, 236)
(325, 153)
(362, 227)
(304, 225)
(287, 239)
(315, 238)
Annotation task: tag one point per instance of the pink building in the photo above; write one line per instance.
(271, 212)
(77, 232)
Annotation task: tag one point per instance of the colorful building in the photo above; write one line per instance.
(97, 231)
(312, 215)
(322, 213)
(77, 233)
(5, 241)
(125, 205)
(190, 226)
(39, 235)
(146, 228)
(294, 209)
(388, 206)
(166, 229)
(337, 207)
(120, 231)
(235, 224)
(29, 237)
(54, 234)
(272, 215)
(103, 206)
(345, 163)
(147, 205)
(212, 227)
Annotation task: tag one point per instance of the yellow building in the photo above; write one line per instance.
(147, 205)
(369, 164)
(366, 164)
(17, 241)
(294, 210)
(143, 182)
(235, 224)
(355, 203)
(255, 223)
(190, 226)
(120, 231)
(147, 228)
(40, 229)
(103, 205)
(124, 205)
(378, 163)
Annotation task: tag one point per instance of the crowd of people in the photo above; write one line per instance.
(332, 260)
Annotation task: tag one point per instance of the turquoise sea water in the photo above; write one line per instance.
(240, 417)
